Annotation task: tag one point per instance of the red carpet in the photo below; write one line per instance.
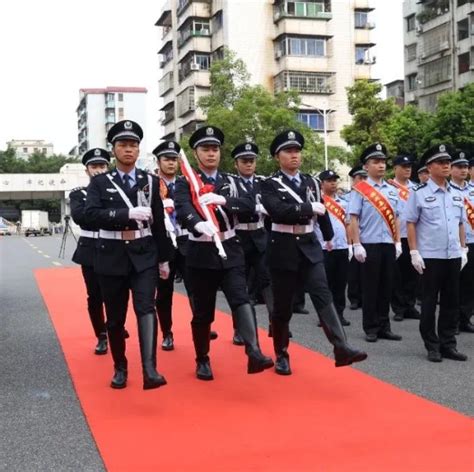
(319, 419)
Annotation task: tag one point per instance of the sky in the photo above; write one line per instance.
(49, 49)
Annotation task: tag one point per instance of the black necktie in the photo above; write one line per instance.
(295, 182)
(248, 184)
(170, 190)
(211, 180)
(126, 182)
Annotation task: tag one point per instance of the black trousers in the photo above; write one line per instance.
(336, 263)
(165, 290)
(404, 284)
(441, 277)
(115, 290)
(256, 270)
(467, 288)
(286, 284)
(94, 301)
(377, 282)
(354, 284)
(205, 284)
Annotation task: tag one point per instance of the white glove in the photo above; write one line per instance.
(464, 252)
(417, 261)
(318, 208)
(351, 251)
(168, 203)
(359, 252)
(398, 250)
(328, 245)
(212, 199)
(259, 208)
(164, 270)
(139, 213)
(205, 227)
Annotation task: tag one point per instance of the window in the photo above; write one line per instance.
(412, 82)
(411, 52)
(203, 60)
(313, 120)
(463, 63)
(437, 71)
(462, 2)
(35, 150)
(304, 9)
(120, 97)
(120, 114)
(436, 40)
(25, 150)
(411, 23)
(314, 47)
(44, 151)
(362, 55)
(361, 19)
(463, 29)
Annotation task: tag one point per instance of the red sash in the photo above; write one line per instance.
(380, 203)
(335, 209)
(403, 192)
(469, 211)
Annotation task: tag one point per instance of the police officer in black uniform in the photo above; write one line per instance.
(251, 226)
(295, 256)
(206, 269)
(97, 162)
(125, 205)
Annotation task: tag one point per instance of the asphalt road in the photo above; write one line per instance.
(42, 426)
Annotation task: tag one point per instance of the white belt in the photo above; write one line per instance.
(128, 235)
(249, 226)
(181, 232)
(224, 235)
(89, 234)
(293, 229)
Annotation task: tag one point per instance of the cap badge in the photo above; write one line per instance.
(378, 147)
(248, 147)
(291, 135)
(97, 152)
(209, 131)
(170, 145)
(442, 148)
(128, 125)
(462, 155)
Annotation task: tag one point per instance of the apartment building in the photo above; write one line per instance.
(24, 148)
(317, 47)
(100, 108)
(439, 49)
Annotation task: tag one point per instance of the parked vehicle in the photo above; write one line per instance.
(35, 222)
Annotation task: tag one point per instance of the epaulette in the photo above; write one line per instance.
(263, 177)
(229, 174)
(420, 186)
(77, 189)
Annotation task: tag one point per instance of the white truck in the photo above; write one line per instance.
(35, 222)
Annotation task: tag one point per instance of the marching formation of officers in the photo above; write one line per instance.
(388, 244)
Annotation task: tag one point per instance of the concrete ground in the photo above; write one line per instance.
(42, 425)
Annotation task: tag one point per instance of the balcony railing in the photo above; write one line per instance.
(166, 83)
(309, 10)
(305, 82)
(190, 34)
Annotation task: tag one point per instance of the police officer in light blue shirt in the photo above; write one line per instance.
(459, 174)
(435, 215)
(336, 252)
(375, 244)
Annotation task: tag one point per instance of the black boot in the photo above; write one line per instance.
(201, 339)
(237, 339)
(281, 340)
(117, 349)
(343, 353)
(147, 335)
(168, 342)
(247, 326)
(101, 347)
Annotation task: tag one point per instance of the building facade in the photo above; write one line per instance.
(317, 47)
(439, 49)
(100, 108)
(24, 148)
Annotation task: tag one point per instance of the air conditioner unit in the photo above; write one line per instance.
(419, 29)
(278, 54)
(205, 32)
(195, 66)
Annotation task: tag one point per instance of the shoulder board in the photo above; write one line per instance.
(258, 176)
(77, 189)
(420, 186)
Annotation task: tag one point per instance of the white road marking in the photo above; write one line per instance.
(46, 255)
(41, 252)
(57, 263)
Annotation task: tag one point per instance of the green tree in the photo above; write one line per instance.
(246, 112)
(409, 131)
(370, 115)
(37, 163)
(454, 119)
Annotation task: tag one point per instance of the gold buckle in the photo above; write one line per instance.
(128, 235)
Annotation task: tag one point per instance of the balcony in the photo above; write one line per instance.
(302, 11)
(431, 10)
(110, 118)
(303, 63)
(363, 71)
(198, 8)
(165, 17)
(186, 101)
(165, 84)
(363, 36)
(305, 82)
(291, 25)
(364, 5)
(197, 43)
(168, 114)
(432, 50)
(110, 104)
(198, 78)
